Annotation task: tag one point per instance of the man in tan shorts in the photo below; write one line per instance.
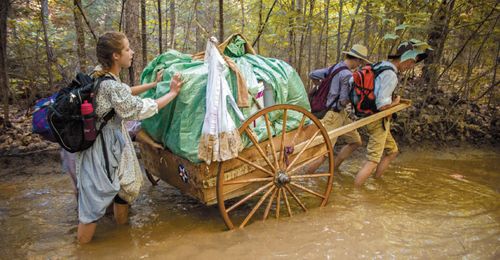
(380, 139)
(338, 98)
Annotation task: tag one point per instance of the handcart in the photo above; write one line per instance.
(282, 175)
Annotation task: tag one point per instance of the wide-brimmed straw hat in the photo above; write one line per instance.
(358, 51)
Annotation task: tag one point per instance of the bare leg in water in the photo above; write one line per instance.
(85, 232)
(369, 167)
(364, 173)
(384, 163)
(121, 213)
(345, 152)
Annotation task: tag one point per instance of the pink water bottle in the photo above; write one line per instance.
(89, 132)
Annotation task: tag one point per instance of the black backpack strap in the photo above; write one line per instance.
(106, 159)
(106, 118)
(112, 112)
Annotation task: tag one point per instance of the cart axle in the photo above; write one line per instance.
(282, 179)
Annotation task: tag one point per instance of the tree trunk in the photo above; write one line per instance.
(327, 31)
(320, 40)
(291, 35)
(44, 15)
(79, 6)
(4, 78)
(474, 34)
(493, 80)
(302, 9)
(475, 58)
(132, 14)
(366, 35)
(167, 9)
(260, 23)
(353, 22)
(339, 44)
(80, 36)
(160, 44)
(436, 38)
(221, 20)
(144, 34)
(261, 29)
(172, 24)
(380, 41)
(187, 30)
(199, 39)
(242, 17)
(309, 37)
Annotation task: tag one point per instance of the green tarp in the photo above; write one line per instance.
(178, 126)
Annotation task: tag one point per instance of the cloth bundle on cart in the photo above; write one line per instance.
(179, 125)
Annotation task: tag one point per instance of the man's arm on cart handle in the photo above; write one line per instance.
(394, 103)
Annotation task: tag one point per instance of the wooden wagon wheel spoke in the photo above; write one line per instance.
(269, 204)
(256, 207)
(287, 204)
(278, 202)
(248, 197)
(267, 183)
(307, 190)
(256, 144)
(316, 175)
(290, 172)
(248, 181)
(303, 149)
(254, 165)
(270, 138)
(296, 198)
(283, 134)
(299, 129)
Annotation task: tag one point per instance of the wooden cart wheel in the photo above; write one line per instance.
(284, 170)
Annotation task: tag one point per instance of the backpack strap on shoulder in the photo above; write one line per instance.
(97, 83)
(381, 69)
(106, 118)
(335, 72)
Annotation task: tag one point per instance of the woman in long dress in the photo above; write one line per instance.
(98, 187)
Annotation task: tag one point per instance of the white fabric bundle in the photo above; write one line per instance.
(220, 139)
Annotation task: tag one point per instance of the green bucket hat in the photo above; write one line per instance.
(412, 49)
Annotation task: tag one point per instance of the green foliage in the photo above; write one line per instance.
(292, 33)
(390, 36)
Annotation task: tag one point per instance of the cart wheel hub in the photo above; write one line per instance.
(282, 179)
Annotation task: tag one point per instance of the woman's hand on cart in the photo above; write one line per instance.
(176, 83)
(159, 76)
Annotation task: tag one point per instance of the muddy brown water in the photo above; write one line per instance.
(417, 210)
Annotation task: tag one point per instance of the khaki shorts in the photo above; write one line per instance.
(333, 120)
(380, 139)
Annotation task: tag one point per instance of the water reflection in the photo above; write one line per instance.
(418, 209)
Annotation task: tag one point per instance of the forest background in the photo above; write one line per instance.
(43, 43)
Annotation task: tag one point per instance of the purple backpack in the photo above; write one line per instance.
(40, 124)
(319, 96)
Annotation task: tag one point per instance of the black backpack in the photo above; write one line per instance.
(64, 115)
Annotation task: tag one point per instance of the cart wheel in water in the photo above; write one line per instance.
(282, 175)
(153, 179)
